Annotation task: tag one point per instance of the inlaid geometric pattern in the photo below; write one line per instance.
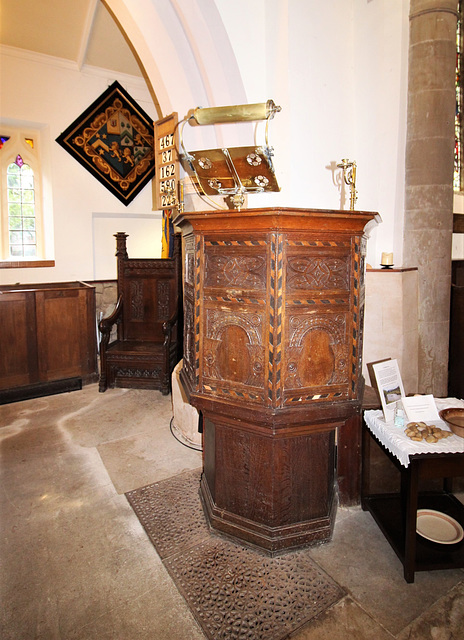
(228, 298)
(235, 593)
(316, 243)
(316, 301)
(197, 311)
(233, 394)
(275, 320)
(235, 243)
(355, 328)
(323, 397)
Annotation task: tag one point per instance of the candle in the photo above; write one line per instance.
(387, 259)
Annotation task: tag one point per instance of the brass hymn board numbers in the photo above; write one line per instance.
(166, 161)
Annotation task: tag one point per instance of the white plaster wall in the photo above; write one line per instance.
(380, 82)
(293, 52)
(339, 71)
(51, 93)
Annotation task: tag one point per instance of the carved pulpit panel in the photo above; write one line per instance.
(318, 308)
(234, 291)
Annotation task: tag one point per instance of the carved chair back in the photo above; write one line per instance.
(148, 317)
(150, 293)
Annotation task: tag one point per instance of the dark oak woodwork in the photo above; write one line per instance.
(148, 317)
(458, 223)
(396, 513)
(273, 315)
(48, 335)
(456, 343)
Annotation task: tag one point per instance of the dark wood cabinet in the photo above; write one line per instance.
(48, 336)
(456, 344)
(273, 312)
(396, 513)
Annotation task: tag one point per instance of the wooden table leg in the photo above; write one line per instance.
(410, 517)
(365, 464)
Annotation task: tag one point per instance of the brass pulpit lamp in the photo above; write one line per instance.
(235, 171)
(349, 177)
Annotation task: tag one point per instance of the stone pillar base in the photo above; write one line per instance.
(185, 419)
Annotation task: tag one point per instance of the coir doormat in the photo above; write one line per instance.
(235, 593)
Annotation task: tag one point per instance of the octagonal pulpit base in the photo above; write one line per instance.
(275, 493)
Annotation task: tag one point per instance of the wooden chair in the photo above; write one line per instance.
(148, 316)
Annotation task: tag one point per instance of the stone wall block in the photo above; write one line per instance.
(109, 293)
(428, 207)
(430, 61)
(429, 161)
(418, 7)
(434, 299)
(435, 26)
(430, 253)
(427, 118)
(433, 358)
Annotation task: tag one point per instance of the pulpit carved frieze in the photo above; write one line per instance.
(315, 272)
(247, 272)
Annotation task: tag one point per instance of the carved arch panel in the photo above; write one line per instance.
(316, 354)
(233, 348)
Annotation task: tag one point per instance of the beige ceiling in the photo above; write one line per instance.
(82, 31)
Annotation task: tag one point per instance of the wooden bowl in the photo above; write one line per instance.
(454, 418)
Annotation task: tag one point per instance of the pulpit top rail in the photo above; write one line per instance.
(279, 219)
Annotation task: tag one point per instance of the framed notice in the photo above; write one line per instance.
(166, 162)
(389, 385)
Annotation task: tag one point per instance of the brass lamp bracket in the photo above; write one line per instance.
(234, 171)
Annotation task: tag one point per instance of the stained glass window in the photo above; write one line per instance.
(458, 142)
(3, 139)
(21, 210)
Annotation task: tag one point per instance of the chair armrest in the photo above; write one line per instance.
(106, 324)
(167, 326)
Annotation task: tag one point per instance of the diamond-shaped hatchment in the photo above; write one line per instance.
(114, 140)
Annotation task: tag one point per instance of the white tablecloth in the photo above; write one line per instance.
(397, 442)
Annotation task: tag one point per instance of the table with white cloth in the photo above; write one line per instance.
(396, 513)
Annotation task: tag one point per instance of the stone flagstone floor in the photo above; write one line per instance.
(76, 563)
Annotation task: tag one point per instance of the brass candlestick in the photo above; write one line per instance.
(349, 176)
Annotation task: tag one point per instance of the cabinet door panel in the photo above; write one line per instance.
(18, 354)
(61, 319)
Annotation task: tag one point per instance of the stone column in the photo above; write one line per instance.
(428, 216)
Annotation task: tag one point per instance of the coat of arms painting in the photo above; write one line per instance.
(113, 139)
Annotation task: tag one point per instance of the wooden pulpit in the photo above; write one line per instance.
(273, 316)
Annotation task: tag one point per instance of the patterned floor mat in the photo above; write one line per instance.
(234, 592)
